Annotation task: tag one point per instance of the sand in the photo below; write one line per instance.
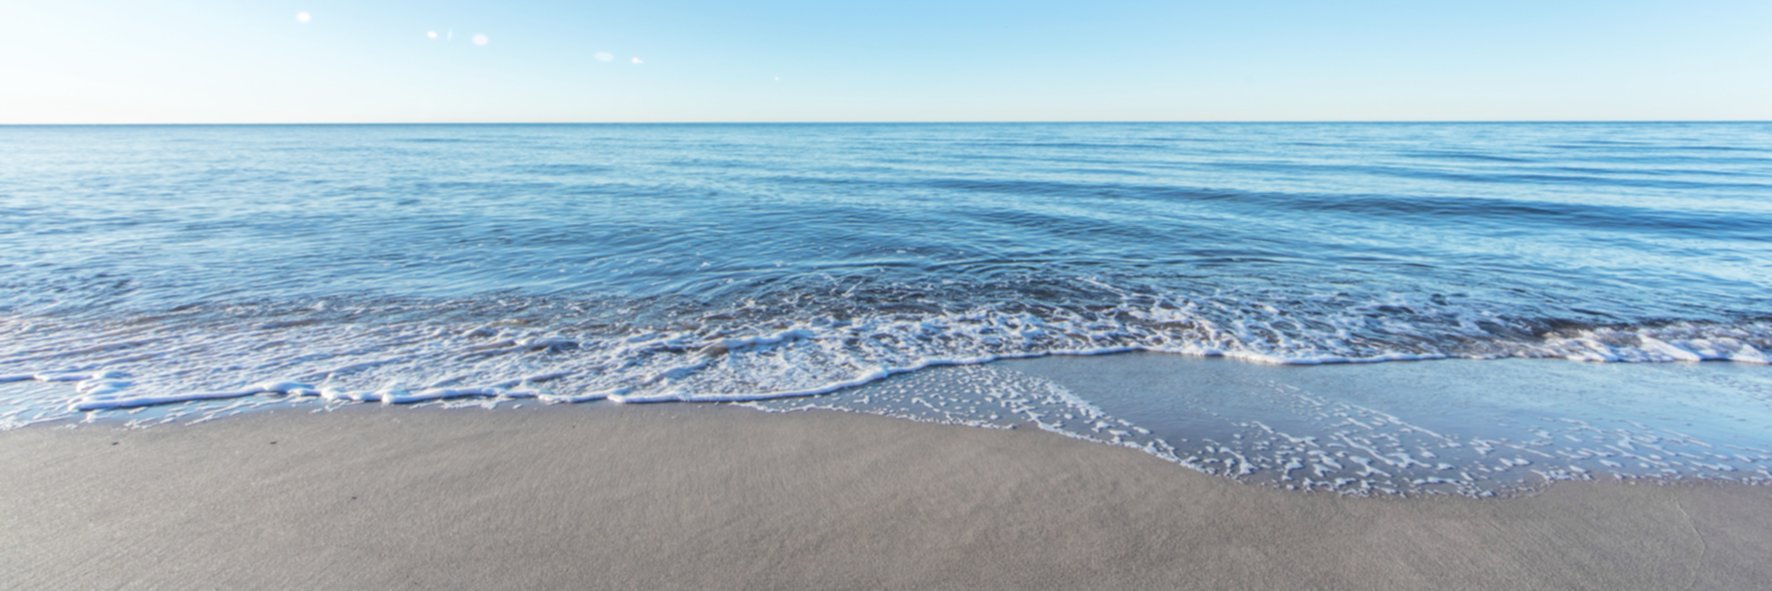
(600, 496)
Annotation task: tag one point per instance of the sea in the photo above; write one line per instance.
(1500, 283)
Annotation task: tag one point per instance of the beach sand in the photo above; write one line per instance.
(602, 496)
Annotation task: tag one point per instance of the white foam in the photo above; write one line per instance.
(171, 363)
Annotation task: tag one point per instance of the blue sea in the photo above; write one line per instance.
(166, 266)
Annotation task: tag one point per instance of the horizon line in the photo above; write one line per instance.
(880, 122)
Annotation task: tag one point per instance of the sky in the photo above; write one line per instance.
(355, 61)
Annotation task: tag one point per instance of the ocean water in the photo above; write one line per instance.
(151, 266)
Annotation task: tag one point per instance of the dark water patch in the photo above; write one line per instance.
(558, 169)
(1052, 145)
(1466, 156)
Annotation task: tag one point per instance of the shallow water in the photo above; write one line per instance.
(1476, 428)
(145, 266)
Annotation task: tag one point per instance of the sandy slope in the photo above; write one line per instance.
(694, 497)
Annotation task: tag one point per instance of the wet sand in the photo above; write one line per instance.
(601, 496)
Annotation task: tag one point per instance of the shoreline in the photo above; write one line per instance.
(1480, 428)
(680, 496)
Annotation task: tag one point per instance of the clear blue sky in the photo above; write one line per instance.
(918, 60)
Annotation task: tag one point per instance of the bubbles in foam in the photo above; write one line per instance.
(578, 350)
(200, 364)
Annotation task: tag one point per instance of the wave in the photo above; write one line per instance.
(1717, 223)
(409, 353)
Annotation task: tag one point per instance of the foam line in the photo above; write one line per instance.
(719, 356)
